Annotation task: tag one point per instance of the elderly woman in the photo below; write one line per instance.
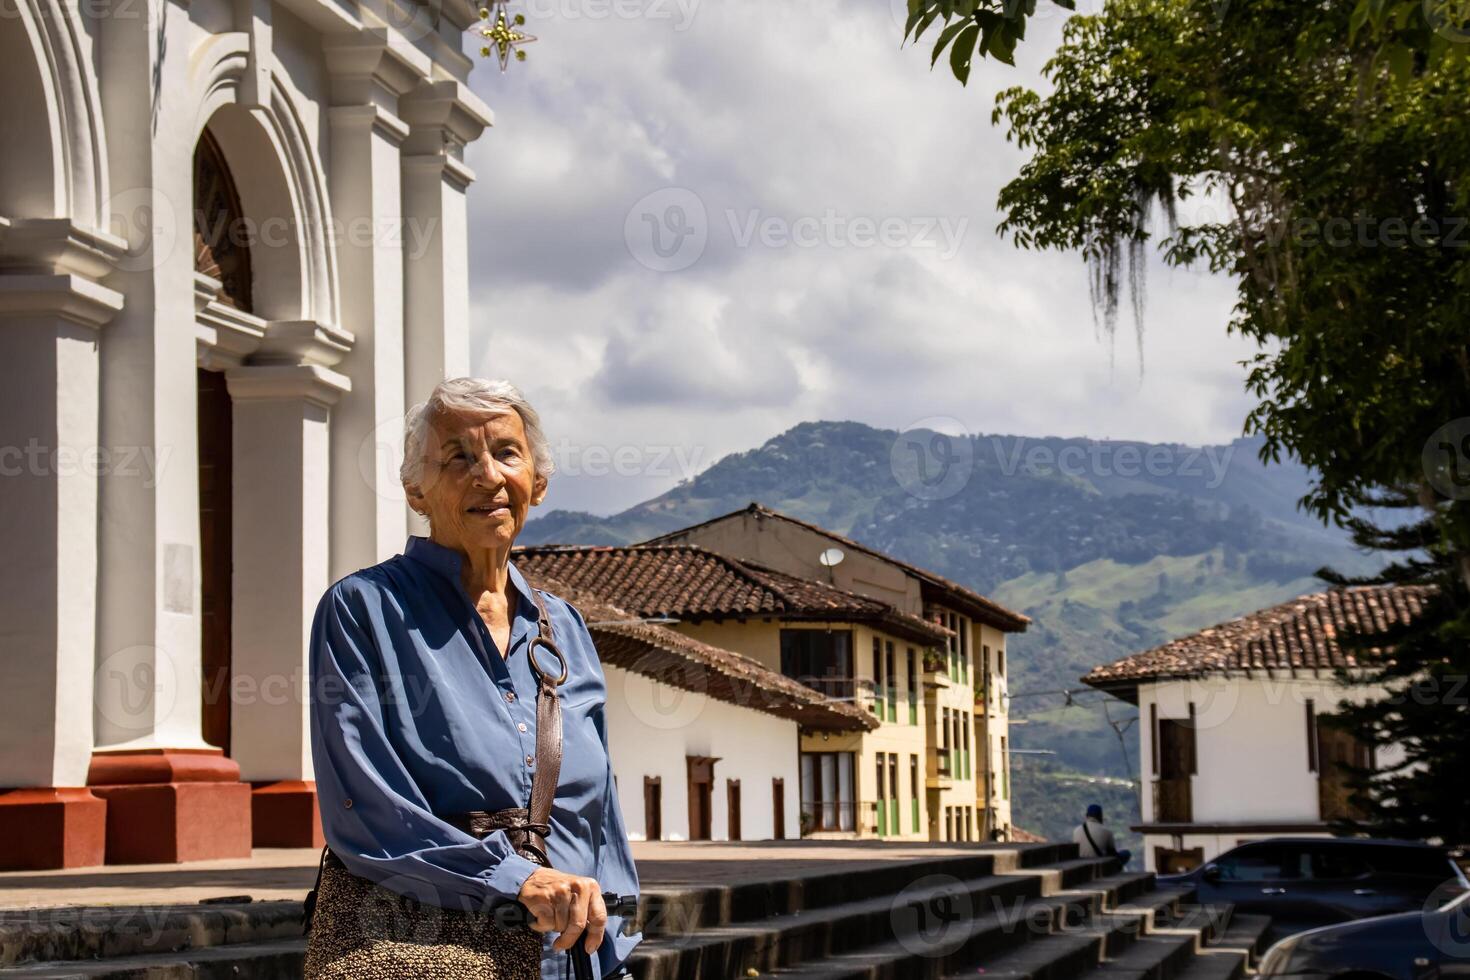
(458, 772)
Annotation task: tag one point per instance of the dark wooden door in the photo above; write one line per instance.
(732, 799)
(778, 805)
(701, 795)
(215, 427)
(653, 808)
(1173, 801)
(1338, 753)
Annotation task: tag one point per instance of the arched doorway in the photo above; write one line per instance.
(222, 252)
(29, 176)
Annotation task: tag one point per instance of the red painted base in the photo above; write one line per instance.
(172, 805)
(47, 828)
(285, 814)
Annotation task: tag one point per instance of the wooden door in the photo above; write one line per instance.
(701, 795)
(1338, 752)
(215, 532)
(732, 799)
(653, 808)
(1173, 802)
(778, 806)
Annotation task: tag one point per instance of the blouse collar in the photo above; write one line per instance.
(448, 562)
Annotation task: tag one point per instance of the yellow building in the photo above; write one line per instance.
(963, 765)
(924, 656)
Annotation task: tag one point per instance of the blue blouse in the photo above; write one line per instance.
(415, 713)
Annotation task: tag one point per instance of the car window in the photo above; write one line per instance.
(1333, 863)
(1417, 862)
(1261, 862)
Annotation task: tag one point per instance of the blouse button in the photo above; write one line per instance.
(510, 695)
(521, 726)
(347, 803)
(530, 759)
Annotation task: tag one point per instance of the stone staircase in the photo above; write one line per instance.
(1009, 912)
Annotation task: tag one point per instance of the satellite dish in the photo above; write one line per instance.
(831, 557)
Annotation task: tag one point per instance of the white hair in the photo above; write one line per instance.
(476, 396)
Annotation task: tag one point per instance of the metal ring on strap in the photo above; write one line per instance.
(536, 664)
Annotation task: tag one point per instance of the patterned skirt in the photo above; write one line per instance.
(363, 931)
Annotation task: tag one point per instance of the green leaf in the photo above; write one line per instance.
(948, 34)
(963, 52)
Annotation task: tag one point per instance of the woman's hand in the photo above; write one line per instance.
(569, 904)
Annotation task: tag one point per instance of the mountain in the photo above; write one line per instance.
(1109, 546)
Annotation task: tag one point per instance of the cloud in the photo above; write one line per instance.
(826, 206)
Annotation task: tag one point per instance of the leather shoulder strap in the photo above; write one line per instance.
(548, 716)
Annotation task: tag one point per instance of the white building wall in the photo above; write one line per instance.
(1251, 747)
(652, 727)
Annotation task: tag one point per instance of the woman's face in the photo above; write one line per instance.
(479, 480)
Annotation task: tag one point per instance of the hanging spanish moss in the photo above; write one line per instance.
(1107, 260)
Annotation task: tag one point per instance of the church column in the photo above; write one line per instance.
(52, 312)
(281, 436)
(369, 515)
(443, 116)
(170, 795)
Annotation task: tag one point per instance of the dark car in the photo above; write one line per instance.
(1302, 883)
(1411, 946)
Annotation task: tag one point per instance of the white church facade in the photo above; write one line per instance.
(232, 250)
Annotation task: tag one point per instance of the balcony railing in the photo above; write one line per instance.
(828, 815)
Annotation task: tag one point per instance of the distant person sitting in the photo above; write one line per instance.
(1095, 840)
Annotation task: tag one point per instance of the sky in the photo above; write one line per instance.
(696, 224)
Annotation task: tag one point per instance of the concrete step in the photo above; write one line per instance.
(1246, 935)
(279, 960)
(1213, 964)
(679, 909)
(901, 918)
(82, 933)
(913, 923)
(987, 939)
(1156, 957)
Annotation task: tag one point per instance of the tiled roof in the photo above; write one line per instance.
(693, 583)
(683, 662)
(1021, 835)
(1298, 635)
(949, 593)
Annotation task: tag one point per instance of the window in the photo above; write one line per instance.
(1000, 662)
(959, 746)
(827, 801)
(820, 659)
(943, 751)
(877, 677)
(964, 649)
(1311, 736)
(1332, 863)
(653, 808)
(890, 674)
(882, 797)
(893, 792)
(985, 673)
(1005, 769)
(914, 790)
(913, 687)
(1261, 862)
(965, 752)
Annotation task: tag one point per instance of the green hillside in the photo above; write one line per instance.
(1110, 548)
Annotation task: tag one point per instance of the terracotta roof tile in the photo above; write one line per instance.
(686, 663)
(1302, 634)
(967, 601)
(689, 582)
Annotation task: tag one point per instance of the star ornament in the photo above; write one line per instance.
(500, 31)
